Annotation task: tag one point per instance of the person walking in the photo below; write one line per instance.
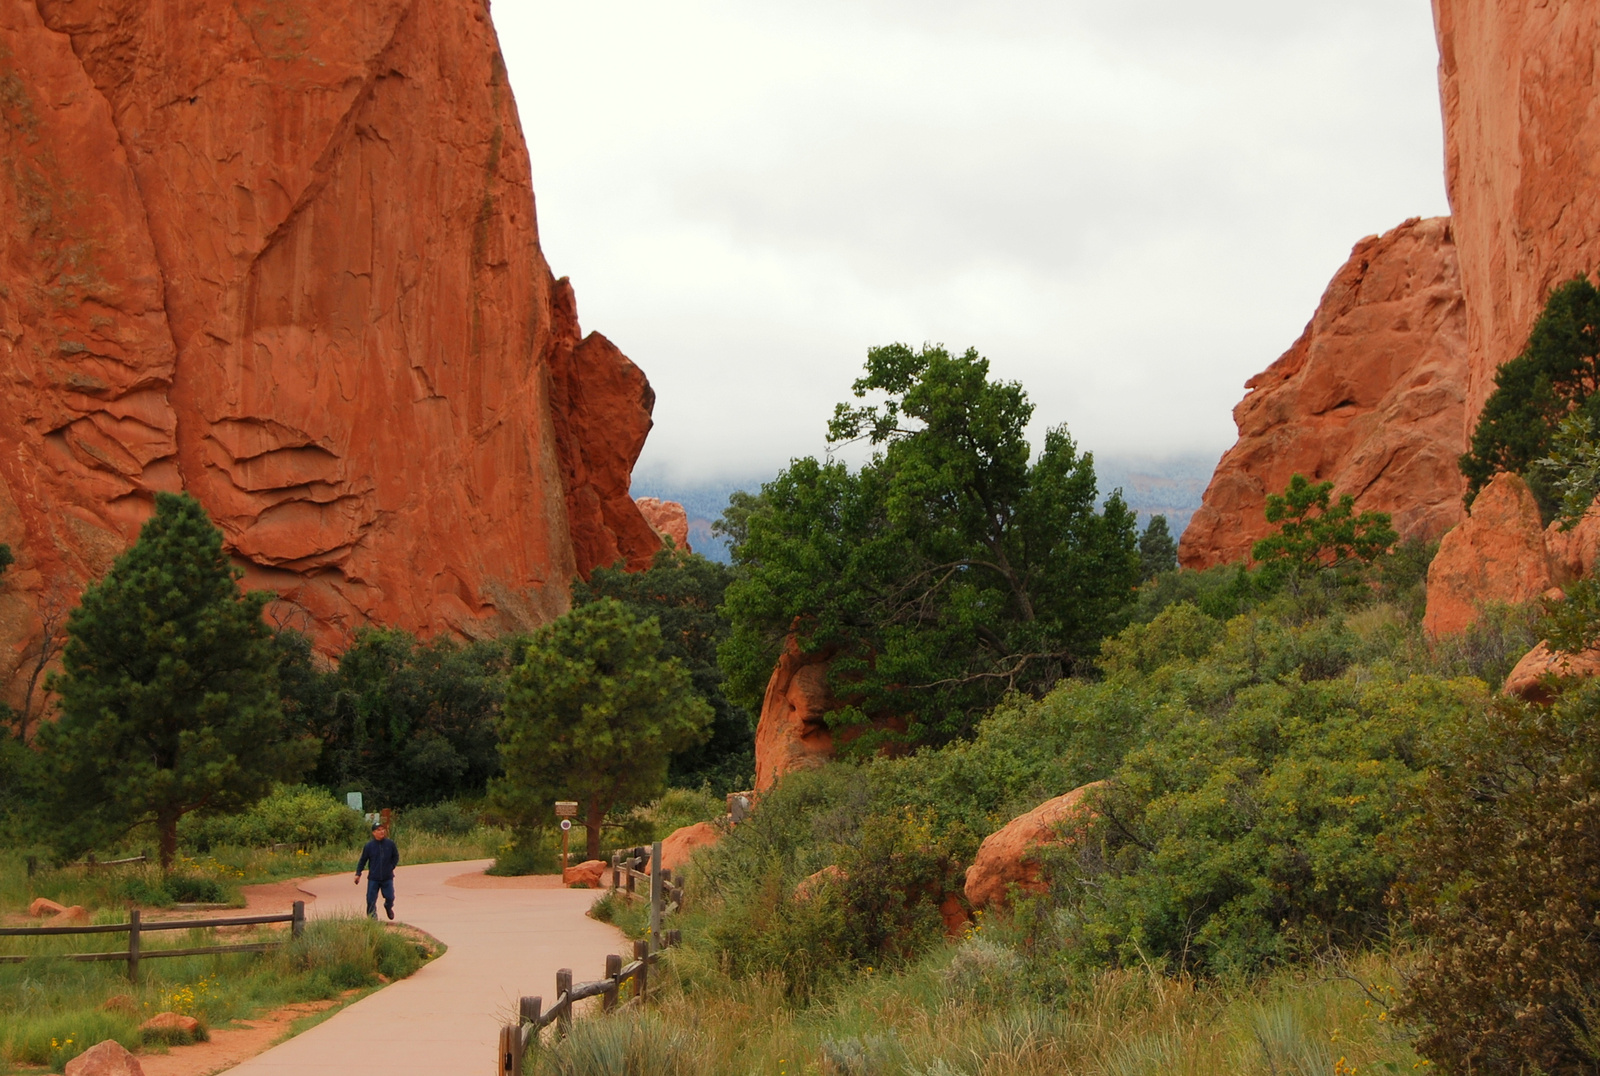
(384, 857)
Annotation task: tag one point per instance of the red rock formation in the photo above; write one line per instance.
(1517, 80)
(667, 519)
(284, 256)
(1005, 858)
(1530, 679)
(682, 843)
(793, 731)
(1371, 397)
(590, 874)
(1497, 555)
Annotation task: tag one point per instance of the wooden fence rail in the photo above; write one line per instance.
(533, 1017)
(135, 928)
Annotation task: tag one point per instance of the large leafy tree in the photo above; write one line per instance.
(1316, 533)
(684, 592)
(1556, 376)
(947, 570)
(169, 691)
(407, 722)
(593, 714)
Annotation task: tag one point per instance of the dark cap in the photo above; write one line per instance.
(378, 825)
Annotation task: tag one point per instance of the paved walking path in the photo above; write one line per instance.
(445, 1019)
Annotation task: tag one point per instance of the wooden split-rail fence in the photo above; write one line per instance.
(666, 895)
(135, 928)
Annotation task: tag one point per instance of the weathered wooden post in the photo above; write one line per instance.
(297, 925)
(133, 944)
(613, 973)
(641, 953)
(510, 1051)
(564, 990)
(531, 1009)
(655, 897)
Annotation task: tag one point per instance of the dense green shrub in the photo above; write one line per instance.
(1503, 882)
(1266, 809)
(292, 814)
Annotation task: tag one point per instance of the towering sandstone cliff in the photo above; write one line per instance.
(1371, 397)
(283, 255)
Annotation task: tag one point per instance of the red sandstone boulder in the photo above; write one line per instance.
(1005, 858)
(77, 913)
(1497, 555)
(681, 844)
(172, 1028)
(306, 286)
(1573, 553)
(104, 1059)
(122, 1003)
(812, 884)
(667, 518)
(586, 875)
(1531, 679)
(1371, 397)
(43, 906)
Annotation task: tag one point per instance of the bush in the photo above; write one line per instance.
(1239, 831)
(445, 819)
(292, 814)
(1502, 882)
(350, 954)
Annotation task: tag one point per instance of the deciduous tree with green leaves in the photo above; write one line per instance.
(1317, 534)
(168, 691)
(593, 714)
(947, 570)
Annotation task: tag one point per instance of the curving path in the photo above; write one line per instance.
(504, 940)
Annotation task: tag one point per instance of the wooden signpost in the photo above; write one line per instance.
(566, 810)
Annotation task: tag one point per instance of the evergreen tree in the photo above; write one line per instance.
(593, 714)
(684, 592)
(1157, 551)
(1555, 377)
(169, 691)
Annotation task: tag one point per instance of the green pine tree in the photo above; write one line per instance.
(593, 714)
(1157, 551)
(169, 691)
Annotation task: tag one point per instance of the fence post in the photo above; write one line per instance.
(613, 972)
(92, 863)
(510, 1051)
(531, 1009)
(133, 945)
(641, 953)
(297, 925)
(564, 987)
(655, 897)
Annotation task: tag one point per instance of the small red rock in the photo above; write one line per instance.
(681, 844)
(171, 1021)
(75, 914)
(43, 906)
(1005, 857)
(585, 875)
(105, 1059)
(1528, 680)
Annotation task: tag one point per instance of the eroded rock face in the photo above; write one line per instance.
(284, 255)
(1497, 555)
(1006, 856)
(793, 731)
(1518, 85)
(667, 518)
(1371, 397)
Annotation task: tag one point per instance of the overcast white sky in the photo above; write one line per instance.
(1128, 205)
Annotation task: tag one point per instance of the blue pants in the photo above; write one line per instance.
(374, 887)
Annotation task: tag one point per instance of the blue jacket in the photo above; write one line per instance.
(384, 857)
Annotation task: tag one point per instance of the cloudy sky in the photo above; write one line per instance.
(1128, 205)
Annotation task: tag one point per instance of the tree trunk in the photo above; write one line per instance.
(167, 828)
(596, 816)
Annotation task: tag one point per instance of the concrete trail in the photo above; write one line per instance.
(445, 1019)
